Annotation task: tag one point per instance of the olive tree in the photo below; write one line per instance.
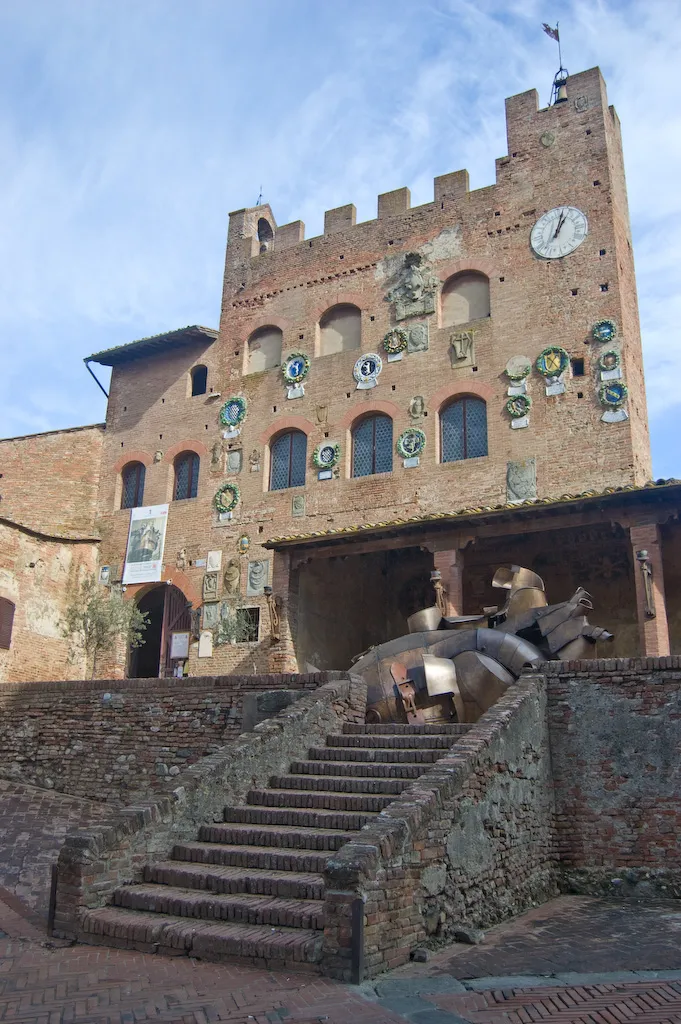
(97, 619)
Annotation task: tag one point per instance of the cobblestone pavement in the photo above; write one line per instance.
(631, 947)
(33, 823)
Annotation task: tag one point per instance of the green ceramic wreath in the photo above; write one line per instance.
(613, 394)
(226, 497)
(604, 330)
(326, 461)
(295, 376)
(519, 405)
(233, 412)
(411, 442)
(553, 361)
(395, 341)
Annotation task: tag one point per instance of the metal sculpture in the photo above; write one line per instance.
(458, 666)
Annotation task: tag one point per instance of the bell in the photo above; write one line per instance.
(562, 93)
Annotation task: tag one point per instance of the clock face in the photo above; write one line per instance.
(559, 232)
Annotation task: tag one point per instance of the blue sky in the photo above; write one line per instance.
(130, 128)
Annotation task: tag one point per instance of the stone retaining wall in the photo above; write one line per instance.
(113, 740)
(94, 861)
(469, 843)
(615, 730)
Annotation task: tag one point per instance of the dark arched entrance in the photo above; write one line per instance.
(169, 611)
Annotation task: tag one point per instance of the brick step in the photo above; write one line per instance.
(286, 883)
(402, 741)
(346, 820)
(246, 909)
(362, 754)
(327, 801)
(264, 858)
(208, 940)
(397, 729)
(283, 837)
(359, 769)
(339, 784)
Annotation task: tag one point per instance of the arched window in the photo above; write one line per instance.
(465, 297)
(186, 476)
(463, 429)
(372, 446)
(264, 349)
(6, 622)
(265, 234)
(340, 329)
(288, 455)
(132, 493)
(199, 380)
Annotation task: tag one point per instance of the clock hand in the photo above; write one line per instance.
(561, 221)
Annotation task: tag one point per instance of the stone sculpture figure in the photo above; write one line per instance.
(414, 290)
(232, 577)
(258, 574)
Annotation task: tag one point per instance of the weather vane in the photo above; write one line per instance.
(559, 89)
(259, 199)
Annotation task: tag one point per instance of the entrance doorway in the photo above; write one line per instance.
(168, 611)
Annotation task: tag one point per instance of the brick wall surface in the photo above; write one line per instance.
(615, 734)
(95, 860)
(470, 842)
(118, 740)
(534, 303)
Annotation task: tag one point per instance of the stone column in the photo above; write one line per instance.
(282, 655)
(650, 603)
(450, 565)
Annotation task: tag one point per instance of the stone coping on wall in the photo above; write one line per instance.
(272, 681)
(95, 860)
(614, 665)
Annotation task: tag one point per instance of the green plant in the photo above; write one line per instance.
(236, 626)
(97, 619)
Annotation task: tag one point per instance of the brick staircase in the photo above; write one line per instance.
(252, 887)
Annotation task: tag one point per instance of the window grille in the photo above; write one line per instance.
(372, 446)
(464, 429)
(132, 494)
(6, 622)
(249, 625)
(199, 380)
(186, 476)
(288, 455)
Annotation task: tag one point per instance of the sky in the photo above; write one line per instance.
(130, 128)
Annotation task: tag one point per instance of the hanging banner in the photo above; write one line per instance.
(144, 557)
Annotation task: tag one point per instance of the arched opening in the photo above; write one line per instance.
(340, 329)
(463, 429)
(265, 234)
(186, 476)
(465, 297)
(132, 491)
(169, 612)
(372, 445)
(288, 455)
(199, 380)
(264, 349)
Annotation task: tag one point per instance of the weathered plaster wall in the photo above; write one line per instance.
(615, 729)
(117, 740)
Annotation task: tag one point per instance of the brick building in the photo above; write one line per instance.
(451, 386)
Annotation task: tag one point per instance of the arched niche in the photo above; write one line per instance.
(264, 349)
(265, 234)
(340, 329)
(465, 297)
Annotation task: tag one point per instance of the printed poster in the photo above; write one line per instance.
(146, 539)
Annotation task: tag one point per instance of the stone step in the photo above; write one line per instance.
(359, 769)
(207, 940)
(245, 909)
(287, 883)
(283, 837)
(327, 801)
(339, 784)
(346, 820)
(425, 757)
(402, 741)
(397, 729)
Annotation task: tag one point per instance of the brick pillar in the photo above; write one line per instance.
(653, 630)
(450, 565)
(282, 654)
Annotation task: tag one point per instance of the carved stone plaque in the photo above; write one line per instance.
(210, 586)
(298, 505)
(258, 577)
(211, 614)
(521, 480)
(462, 349)
(414, 287)
(418, 337)
(234, 460)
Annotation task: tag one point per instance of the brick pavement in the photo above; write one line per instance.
(45, 982)
(33, 823)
